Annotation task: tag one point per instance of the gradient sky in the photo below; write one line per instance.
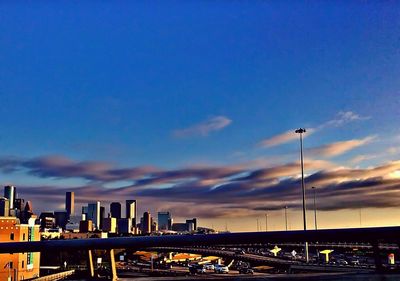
(190, 106)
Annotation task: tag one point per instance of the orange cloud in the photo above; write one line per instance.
(338, 148)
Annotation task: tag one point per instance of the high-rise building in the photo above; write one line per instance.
(125, 226)
(93, 213)
(9, 193)
(61, 219)
(115, 210)
(102, 216)
(85, 226)
(131, 210)
(70, 203)
(192, 223)
(146, 225)
(109, 225)
(164, 221)
(4, 207)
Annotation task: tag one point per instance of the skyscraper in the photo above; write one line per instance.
(9, 193)
(93, 213)
(131, 210)
(115, 210)
(146, 226)
(70, 203)
(164, 220)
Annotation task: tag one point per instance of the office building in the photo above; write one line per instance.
(93, 214)
(109, 225)
(4, 207)
(70, 203)
(125, 226)
(146, 223)
(131, 210)
(164, 221)
(19, 266)
(47, 220)
(9, 193)
(192, 223)
(115, 210)
(61, 219)
(180, 227)
(85, 226)
(102, 216)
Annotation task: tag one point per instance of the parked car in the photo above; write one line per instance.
(246, 270)
(209, 266)
(221, 269)
(240, 252)
(196, 269)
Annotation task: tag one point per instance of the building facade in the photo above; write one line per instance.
(115, 210)
(18, 266)
(70, 203)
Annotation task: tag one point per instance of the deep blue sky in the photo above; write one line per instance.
(118, 81)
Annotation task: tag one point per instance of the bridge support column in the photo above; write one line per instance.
(114, 276)
(89, 263)
(377, 256)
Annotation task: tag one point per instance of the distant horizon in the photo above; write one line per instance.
(191, 108)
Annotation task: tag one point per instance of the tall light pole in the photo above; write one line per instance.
(286, 207)
(301, 131)
(266, 222)
(315, 207)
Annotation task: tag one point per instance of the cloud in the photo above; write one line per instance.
(344, 117)
(284, 138)
(204, 128)
(212, 191)
(341, 118)
(61, 167)
(338, 148)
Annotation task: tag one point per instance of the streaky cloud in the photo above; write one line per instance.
(341, 118)
(204, 128)
(341, 147)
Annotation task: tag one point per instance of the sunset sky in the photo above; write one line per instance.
(191, 107)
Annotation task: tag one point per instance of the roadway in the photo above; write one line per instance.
(374, 236)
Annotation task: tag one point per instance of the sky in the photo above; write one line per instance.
(191, 107)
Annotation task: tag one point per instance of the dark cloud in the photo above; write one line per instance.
(216, 191)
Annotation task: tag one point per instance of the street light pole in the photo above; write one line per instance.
(286, 207)
(315, 207)
(266, 222)
(301, 131)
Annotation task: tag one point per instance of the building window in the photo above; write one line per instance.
(11, 265)
(23, 237)
(12, 236)
(23, 264)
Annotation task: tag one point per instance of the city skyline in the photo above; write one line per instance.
(195, 113)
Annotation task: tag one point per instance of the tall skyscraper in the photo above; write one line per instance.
(9, 193)
(70, 203)
(164, 220)
(115, 210)
(93, 213)
(131, 210)
(102, 216)
(146, 226)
